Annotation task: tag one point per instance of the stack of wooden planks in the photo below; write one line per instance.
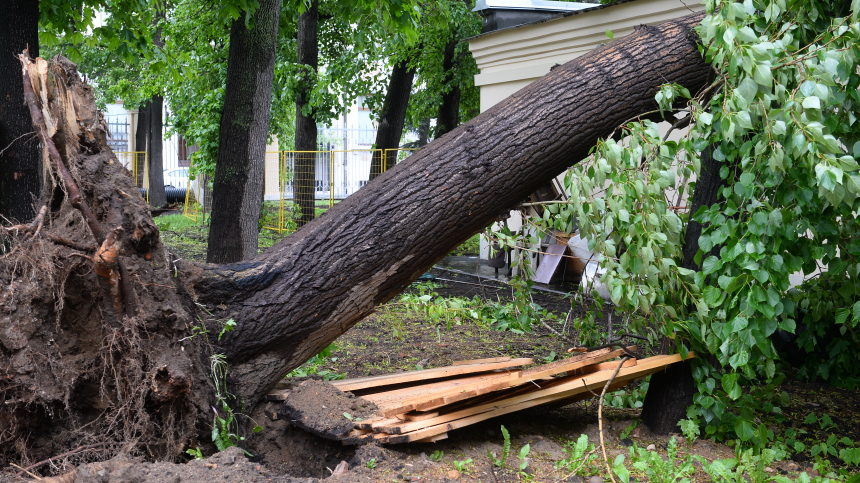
(422, 406)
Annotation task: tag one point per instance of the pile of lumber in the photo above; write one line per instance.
(422, 406)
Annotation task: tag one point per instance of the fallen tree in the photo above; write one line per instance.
(106, 336)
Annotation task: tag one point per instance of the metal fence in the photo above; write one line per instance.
(138, 163)
(319, 177)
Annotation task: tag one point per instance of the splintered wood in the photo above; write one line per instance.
(421, 406)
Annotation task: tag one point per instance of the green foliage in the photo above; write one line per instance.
(524, 453)
(371, 463)
(659, 470)
(582, 459)
(195, 453)
(781, 119)
(630, 398)
(437, 455)
(314, 366)
(462, 466)
(469, 247)
(506, 448)
(515, 317)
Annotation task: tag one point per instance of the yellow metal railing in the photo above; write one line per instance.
(138, 163)
(194, 195)
(328, 176)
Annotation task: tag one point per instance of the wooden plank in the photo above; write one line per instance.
(549, 263)
(426, 374)
(432, 439)
(572, 386)
(397, 395)
(445, 397)
(278, 395)
(417, 416)
(488, 360)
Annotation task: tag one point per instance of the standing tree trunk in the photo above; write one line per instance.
(21, 158)
(449, 110)
(239, 169)
(304, 178)
(141, 142)
(157, 196)
(671, 392)
(291, 301)
(155, 148)
(392, 117)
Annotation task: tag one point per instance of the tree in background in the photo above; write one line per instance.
(239, 169)
(20, 156)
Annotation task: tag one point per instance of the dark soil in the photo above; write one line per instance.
(322, 409)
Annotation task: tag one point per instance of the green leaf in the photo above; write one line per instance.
(711, 265)
(763, 75)
(730, 385)
(842, 315)
(812, 102)
(609, 33)
(744, 428)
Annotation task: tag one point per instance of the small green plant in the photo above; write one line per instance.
(195, 452)
(658, 470)
(690, 428)
(524, 460)
(582, 460)
(625, 433)
(437, 455)
(506, 448)
(371, 463)
(462, 466)
(314, 366)
(229, 326)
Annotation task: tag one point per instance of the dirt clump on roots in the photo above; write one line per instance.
(320, 408)
(89, 314)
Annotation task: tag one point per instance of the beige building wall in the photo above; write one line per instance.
(510, 59)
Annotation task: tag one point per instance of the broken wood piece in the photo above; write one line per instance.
(278, 395)
(425, 374)
(573, 387)
(487, 360)
(446, 396)
(271, 411)
(432, 439)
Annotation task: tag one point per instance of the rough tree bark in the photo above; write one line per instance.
(671, 392)
(155, 146)
(141, 138)
(449, 111)
(304, 178)
(291, 301)
(21, 158)
(239, 169)
(392, 116)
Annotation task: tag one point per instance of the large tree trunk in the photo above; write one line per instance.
(139, 337)
(157, 196)
(305, 161)
(392, 116)
(21, 158)
(141, 142)
(449, 110)
(671, 392)
(239, 170)
(155, 147)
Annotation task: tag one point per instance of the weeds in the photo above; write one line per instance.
(506, 448)
(437, 455)
(462, 466)
(658, 470)
(314, 366)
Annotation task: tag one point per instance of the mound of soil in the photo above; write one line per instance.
(320, 408)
